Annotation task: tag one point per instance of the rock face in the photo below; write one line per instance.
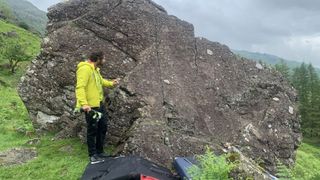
(178, 93)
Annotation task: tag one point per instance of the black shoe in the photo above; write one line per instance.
(103, 155)
(95, 159)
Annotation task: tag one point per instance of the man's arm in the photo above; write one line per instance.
(107, 83)
(112, 83)
(83, 74)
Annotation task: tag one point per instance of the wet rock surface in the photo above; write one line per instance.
(178, 93)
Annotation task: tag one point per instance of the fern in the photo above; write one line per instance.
(283, 172)
(211, 167)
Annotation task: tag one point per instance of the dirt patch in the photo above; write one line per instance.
(17, 156)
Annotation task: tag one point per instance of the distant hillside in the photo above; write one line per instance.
(24, 14)
(268, 58)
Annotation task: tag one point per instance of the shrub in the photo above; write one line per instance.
(24, 25)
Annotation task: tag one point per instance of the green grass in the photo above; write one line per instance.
(13, 114)
(51, 163)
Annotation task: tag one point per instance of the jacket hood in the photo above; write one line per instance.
(85, 63)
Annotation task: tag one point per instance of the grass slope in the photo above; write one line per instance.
(18, 11)
(26, 38)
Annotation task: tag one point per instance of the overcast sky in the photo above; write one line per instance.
(286, 28)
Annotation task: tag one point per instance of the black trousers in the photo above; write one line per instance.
(96, 131)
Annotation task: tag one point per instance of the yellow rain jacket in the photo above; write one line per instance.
(89, 88)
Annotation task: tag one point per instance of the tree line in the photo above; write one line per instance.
(306, 80)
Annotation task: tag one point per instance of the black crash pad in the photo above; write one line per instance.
(125, 168)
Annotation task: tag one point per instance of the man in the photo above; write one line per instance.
(89, 94)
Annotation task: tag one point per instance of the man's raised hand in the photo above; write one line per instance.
(116, 81)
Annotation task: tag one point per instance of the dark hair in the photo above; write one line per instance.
(95, 56)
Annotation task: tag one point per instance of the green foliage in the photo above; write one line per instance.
(283, 68)
(15, 53)
(305, 79)
(14, 50)
(211, 167)
(24, 25)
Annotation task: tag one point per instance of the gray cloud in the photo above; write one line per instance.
(286, 28)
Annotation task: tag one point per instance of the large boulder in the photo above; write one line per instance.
(178, 93)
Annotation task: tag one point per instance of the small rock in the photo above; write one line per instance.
(119, 35)
(224, 150)
(269, 126)
(34, 141)
(291, 110)
(209, 52)
(46, 40)
(12, 34)
(166, 81)
(276, 99)
(166, 141)
(227, 145)
(67, 149)
(21, 130)
(259, 66)
(168, 115)
(264, 150)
